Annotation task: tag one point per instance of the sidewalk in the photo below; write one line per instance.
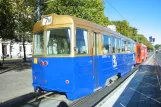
(142, 91)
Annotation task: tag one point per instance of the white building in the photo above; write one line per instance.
(112, 27)
(14, 50)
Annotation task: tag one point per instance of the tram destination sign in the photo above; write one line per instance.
(47, 20)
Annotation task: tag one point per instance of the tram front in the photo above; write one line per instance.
(52, 67)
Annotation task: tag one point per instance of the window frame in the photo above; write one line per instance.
(109, 40)
(45, 45)
(88, 41)
(118, 43)
(33, 52)
(112, 45)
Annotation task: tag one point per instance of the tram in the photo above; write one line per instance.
(78, 57)
(141, 53)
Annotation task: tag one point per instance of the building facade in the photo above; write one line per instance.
(14, 50)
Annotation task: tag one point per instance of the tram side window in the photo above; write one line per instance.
(106, 44)
(58, 41)
(81, 41)
(113, 46)
(123, 46)
(132, 47)
(129, 47)
(38, 43)
(118, 45)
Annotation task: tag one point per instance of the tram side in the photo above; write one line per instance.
(78, 57)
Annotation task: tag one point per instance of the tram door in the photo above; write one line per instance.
(95, 58)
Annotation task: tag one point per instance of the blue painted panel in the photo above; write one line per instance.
(78, 71)
(83, 72)
(54, 75)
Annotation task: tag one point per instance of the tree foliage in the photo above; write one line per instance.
(92, 10)
(24, 19)
(124, 28)
(157, 46)
(140, 38)
(7, 23)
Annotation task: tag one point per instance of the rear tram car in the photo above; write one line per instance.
(141, 53)
(77, 57)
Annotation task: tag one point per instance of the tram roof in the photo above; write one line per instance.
(67, 19)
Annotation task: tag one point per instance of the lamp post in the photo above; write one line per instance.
(38, 9)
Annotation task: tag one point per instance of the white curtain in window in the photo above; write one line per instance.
(69, 33)
(47, 40)
(86, 40)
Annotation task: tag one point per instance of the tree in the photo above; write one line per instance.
(124, 28)
(7, 23)
(92, 10)
(157, 46)
(24, 19)
(140, 38)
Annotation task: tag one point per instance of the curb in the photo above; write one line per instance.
(9, 69)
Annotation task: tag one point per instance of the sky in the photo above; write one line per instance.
(145, 15)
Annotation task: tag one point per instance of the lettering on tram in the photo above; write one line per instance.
(114, 61)
(47, 20)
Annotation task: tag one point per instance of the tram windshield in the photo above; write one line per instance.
(58, 41)
(38, 43)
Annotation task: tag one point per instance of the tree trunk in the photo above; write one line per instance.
(3, 52)
(24, 51)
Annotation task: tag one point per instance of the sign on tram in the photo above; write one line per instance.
(47, 20)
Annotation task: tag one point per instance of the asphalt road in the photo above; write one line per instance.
(158, 57)
(15, 83)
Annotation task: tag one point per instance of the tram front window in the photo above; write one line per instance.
(58, 41)
(38, 43)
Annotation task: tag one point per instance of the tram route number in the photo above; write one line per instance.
(47, 20)
(114, 61)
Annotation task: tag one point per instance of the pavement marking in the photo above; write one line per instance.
(145, 82)
(145, 95)
(122, 105)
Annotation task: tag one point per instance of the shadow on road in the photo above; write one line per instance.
(19, 101)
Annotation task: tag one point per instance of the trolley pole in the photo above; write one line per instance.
(38, 9)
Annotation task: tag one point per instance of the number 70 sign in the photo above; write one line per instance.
(47, 20)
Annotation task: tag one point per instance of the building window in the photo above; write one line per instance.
(81, 41)
(106, 44)
(20, 48)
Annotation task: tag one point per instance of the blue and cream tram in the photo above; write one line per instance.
(77, 57)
